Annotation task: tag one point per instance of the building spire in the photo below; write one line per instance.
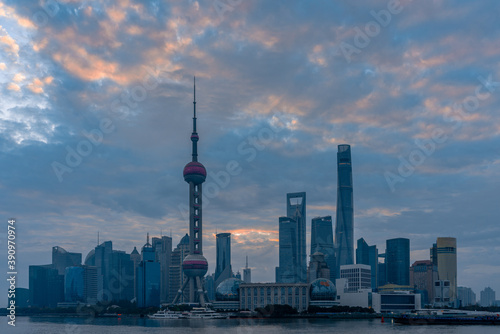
(247, 262)
(147, 239)
(194, 135)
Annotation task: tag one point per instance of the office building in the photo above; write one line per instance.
(148, 277)
(80, 284)
(318, 268)
(441, 293)
(382, 274)
(122, 276)
(46, 286)
(397, 256)
(423, 274)
(210, 286)
(254, 295)
(358, 276)
(466, 296)
(163, 255)
(368, 255)
(487, 297)
(292, 244)
(344, 228)
(322, 241)
(223, 269)
(61, 259)
(447, 264)
(247, 273)
(195, 265)
(177, 276)
(135, 257)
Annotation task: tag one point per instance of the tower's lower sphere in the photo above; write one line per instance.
(195, 172)
(195, 265)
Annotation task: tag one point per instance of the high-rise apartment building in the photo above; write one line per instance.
(397, 259)
(466, 296)
(488, 297)
(368, 255)
(322, 241)
(344, 228)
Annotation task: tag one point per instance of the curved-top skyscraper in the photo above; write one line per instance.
(344, 228)
(195, 265)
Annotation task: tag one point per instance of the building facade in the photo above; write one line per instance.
(397, 259)
(322, 241)
(247, 273)
(46, 286)
(163, 255)
(286, 272)
(176, 274)
(344, 228)
(368, 255)
(488, 297)
(223, 269)
(423, 274)
(61, 259)
(148, 278)
(318, 268)
(358, 277)
(466, 296)
(255, 295)
(447, 264)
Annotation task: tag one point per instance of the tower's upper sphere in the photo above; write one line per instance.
(195, 265)
(195, 172)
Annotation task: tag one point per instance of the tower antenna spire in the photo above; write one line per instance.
(194, 135)
(247, 262)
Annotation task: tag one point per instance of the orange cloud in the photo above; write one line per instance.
(13, 86)
(2, 66)
(11, 45)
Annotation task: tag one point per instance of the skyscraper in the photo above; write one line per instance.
(223, 268)
(103, 260)
(488, 297)
(61, 259)
(466, 296)
(163, 255)
(176, 274)
(423, 274)
(46, 286)
(447, 264)
(368, 255)
(318, 268)
(344, 228)
(247, 273)
(397, 255)
(148, 278)
(195, 265)
(322, 241)
(292, 244)
(286, 272)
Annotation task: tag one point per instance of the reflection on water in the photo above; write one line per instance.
(126, 325)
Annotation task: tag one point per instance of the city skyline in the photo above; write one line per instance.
(279, 95)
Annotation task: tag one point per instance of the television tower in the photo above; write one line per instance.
(195, 265)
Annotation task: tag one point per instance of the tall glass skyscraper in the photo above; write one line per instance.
(223, 268)
(397, 259)
(344, 228)
(292, 244)
(322, 241)
(368, 255)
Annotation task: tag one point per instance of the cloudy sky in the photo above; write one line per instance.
(96, 107)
